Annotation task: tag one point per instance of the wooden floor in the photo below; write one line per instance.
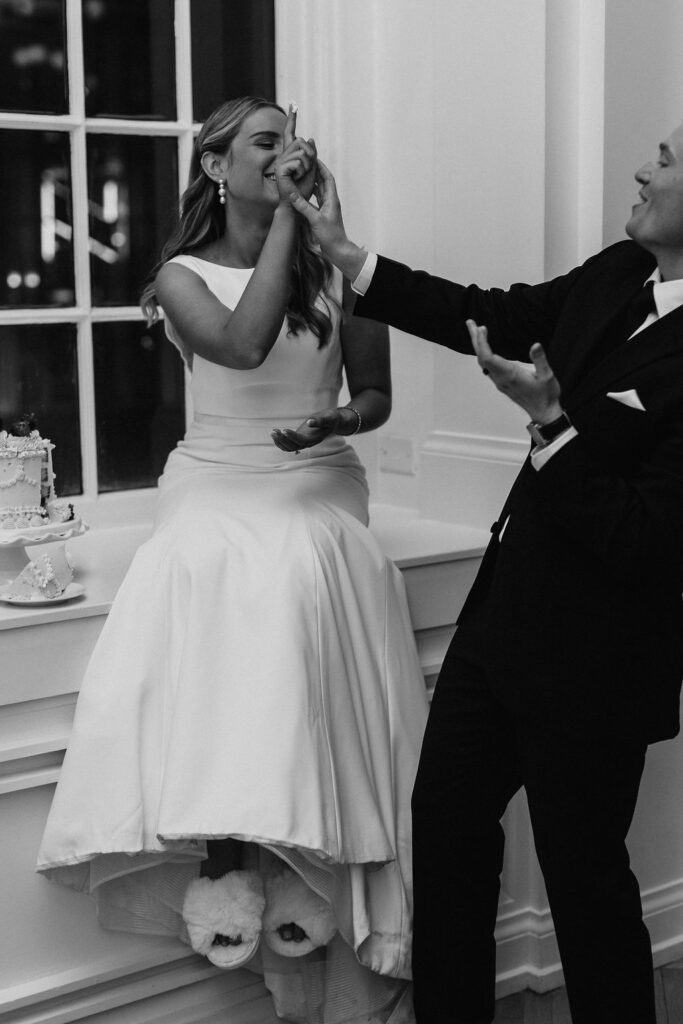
(553, 1008)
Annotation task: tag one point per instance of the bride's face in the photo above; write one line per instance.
(251, 158)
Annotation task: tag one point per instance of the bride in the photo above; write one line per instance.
(248, 729)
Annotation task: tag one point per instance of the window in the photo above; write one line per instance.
(99, 104)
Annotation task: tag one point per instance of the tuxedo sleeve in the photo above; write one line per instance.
(436, 309)
(632, 525)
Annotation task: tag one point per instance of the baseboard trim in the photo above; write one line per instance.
(527, 949)
(188, 990)
(185, 991)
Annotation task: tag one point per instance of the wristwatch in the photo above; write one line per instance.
(543, 433)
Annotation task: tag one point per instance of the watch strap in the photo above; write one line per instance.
(543, 433)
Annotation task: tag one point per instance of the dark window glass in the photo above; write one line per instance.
(133, 202)
(233, 52)
(139, 403)
(33, 56)
(129, 55)
(39, 375)
(36, 263)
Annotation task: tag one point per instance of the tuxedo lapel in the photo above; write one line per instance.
(606, 308)
(661, 340)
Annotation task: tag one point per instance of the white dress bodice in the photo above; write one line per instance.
(297, 377)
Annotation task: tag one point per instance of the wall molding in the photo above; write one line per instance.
(475, 446)
(465, 477)
(575, 132)
(527, 949)
(187, 990)
(181, 990)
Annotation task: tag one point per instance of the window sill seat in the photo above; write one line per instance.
(101, 558)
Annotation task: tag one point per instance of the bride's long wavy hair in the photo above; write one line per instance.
(202, 220)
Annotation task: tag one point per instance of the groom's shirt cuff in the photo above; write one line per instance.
(361, 284)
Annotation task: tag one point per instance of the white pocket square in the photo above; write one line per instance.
(629, 398)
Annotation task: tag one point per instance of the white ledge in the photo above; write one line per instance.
(102, 556)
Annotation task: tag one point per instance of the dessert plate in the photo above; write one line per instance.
(73, 590)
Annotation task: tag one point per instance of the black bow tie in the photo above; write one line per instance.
(640, 307)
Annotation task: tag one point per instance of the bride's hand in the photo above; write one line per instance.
(309, 433)
(296, 167)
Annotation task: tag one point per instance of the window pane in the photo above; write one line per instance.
(39, 375)
(233, 52)
(133, 201)
(139, 403)
(129, 54)
(33, 56)
(36, 269)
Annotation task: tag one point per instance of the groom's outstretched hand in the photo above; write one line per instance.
(531, 385)
(327, 223)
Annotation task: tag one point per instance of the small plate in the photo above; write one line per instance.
(73, 590)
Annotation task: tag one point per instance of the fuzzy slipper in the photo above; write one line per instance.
(224, 915)
(296, 919)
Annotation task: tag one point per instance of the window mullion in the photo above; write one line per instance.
(74, 37)
(38, 122)
(86, 390)
(81, 245)
(81, 228)
(48, 315)
(183, 58)
(105, 314)
(121, 126)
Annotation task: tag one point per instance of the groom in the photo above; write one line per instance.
(568, 656)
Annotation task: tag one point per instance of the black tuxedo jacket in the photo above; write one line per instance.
(582, 595)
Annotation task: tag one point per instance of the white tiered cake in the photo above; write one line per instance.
(31, 514)
(28, 505)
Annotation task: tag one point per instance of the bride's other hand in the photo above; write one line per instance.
(312, 431)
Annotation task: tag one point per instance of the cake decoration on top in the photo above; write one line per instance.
(27, 496)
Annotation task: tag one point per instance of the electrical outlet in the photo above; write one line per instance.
(397, 455)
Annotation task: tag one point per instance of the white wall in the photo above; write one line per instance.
(643, 95)
(437, 143)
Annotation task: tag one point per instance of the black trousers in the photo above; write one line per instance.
(581, 795)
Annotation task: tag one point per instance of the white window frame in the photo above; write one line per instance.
(83, 314)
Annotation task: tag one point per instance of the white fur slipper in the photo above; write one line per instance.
(224, 915)
(296, 919)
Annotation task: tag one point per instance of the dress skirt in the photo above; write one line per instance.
(257, 679)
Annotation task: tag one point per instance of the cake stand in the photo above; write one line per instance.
(13, 543)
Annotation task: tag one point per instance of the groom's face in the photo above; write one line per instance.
(656, 222)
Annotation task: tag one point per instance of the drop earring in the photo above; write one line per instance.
(221, 191)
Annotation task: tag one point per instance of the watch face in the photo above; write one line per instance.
(536, 435)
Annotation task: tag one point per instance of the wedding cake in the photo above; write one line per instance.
(27, 498)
